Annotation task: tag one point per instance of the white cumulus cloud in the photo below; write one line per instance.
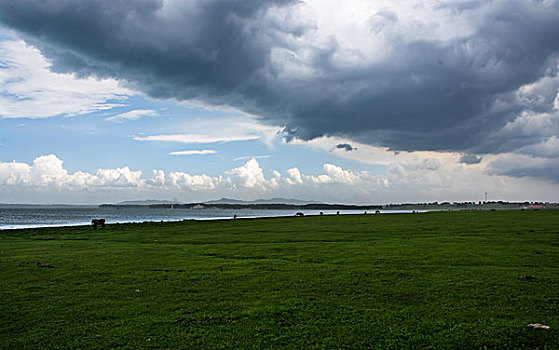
(248, 175)
(28, 89)
(418, 178)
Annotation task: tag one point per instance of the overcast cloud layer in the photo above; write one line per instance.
(475, 77)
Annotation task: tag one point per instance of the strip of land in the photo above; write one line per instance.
(440, 280)
(324, 206)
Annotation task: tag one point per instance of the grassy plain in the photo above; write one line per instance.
(447, 280)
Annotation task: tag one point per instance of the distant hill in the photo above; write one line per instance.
(145, 202)
(261, 201)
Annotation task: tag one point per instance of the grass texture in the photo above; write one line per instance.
(440, 280)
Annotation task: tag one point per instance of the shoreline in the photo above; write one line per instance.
(132, 221)
(330, 212)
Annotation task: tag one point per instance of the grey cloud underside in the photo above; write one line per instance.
(345, 146)
(470, 159)
(428, 95)
(547, 169)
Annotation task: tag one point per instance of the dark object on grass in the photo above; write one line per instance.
(538, 251)
(235, 217)
(528, 277)
(98, 222)
(299, 214)
(44, 265)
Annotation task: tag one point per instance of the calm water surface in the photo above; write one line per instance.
(12, 218)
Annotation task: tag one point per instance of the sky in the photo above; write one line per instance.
(364, 102)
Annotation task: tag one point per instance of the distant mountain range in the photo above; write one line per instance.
(223, 201)
(262, 201)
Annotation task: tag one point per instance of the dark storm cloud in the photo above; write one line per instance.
(345, 146)
(470, 159)
(452, 95)
(547, 169)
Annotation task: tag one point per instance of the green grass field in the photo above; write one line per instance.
(446, 280)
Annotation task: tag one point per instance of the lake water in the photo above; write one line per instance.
(14, 218)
